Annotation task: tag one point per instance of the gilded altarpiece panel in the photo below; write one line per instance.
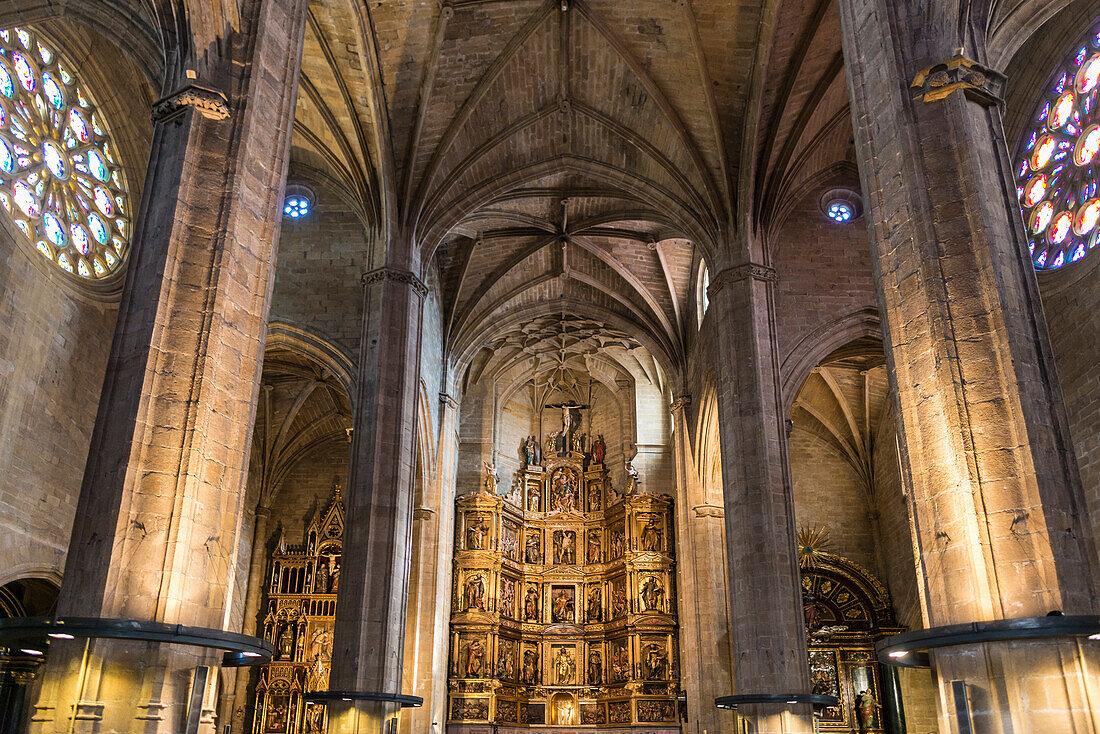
(300, 599)
(564, 609)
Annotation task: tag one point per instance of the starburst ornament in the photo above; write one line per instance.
(812, 543)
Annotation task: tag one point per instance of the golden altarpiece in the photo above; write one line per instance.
(563, 611)
(301, 609)
(847, 610)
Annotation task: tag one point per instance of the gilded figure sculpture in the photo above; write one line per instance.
(564, 668)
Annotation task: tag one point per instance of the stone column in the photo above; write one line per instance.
(430, 610)
(368, 648)
(705, 669)
(996, 496)
(157, 525)
(769, 638)
(242, 678)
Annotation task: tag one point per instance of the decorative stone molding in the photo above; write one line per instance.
(709, 511)
(448, 401)
(398, 276)
(680, 403)
(423, 513)
(979, 83)
(738, 273)
(210, 103)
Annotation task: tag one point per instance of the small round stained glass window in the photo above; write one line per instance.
(59, 179)
(296, 206)
(840, 212)
(1057, 166)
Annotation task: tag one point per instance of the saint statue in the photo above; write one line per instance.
(618, 542)
(595, 668)
(320, 645)
(656, 662)
(651, 535)
(594, 611)
(475, 534)
(594, 502)
(490, 478)
(618, 602)
(599, 450)
(474, 657)
(563, 492)
(475, 592)
(533, 498)
(286, 642)
(563, 607)
(563, 712)
(653, 595)
(579, 440)
(320, 581)
(533, 551)
(593, 555)
(620, 664)
(633, 482)
(507, 596)
(565, 547)
(530, 667)
(531, 605)
(867, 710)
(334, 577)
(564, 668)
(531, 451)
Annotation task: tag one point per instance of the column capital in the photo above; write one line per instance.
(447, 400)
(207, 101)
(979, 83)
(398, 276)
(741, 272)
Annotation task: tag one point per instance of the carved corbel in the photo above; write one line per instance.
(210, 103)
(979, 83)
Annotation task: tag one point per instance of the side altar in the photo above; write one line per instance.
(564, 612)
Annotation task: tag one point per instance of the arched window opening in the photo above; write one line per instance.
(1056, 163)
(702, 299)
(59, 178)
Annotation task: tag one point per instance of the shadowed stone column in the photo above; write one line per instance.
(369, 640)
(157, 526)
(996, 496)
(769, 638)
(430, 601)
(705, 668)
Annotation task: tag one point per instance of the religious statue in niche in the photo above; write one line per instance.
(656, 662)
(565, 547)
(593, 554)
(812, 609)
(564, 711)
(320, 579)
(320, 645)
(474, 596)
(620, 662)
(507, 596)
(563, 491)
(533, 498)
(564, 668)
(532, 454)
(618, 599)
(653, 594)
(595, 503)
(563, 605)
(867, 709)
(476, 532)
(579, 441)
(618, 542)
(506, 661)
(509, 542)
(473, 658)
(533, 550)
(490, 478)
(651, 535)
(599, 450)
(530, 667)
(595, 668)
(315, 717)
(531, 605)
(593, 611)
(286, 642)
(277, 716)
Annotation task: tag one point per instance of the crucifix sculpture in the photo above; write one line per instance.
(562, 442)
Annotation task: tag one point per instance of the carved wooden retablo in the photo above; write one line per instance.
(564, 608)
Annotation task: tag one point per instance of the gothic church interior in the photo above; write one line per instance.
(506, 366)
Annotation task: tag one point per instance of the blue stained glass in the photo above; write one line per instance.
(7, 160)
(97, 165)
(55, 160)
(53, 91)
(1078, 253)
(24, 71)
(1061, 85)
(1059, 260)
(1042, 259)
(1031, 141)
(99, 229)
(24, 37)
(78, 124)
(1082, 53)
(54, 231)
(7, 87)
(80, 237)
